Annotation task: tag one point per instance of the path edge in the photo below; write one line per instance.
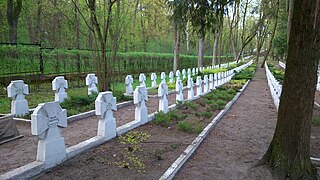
(176, 166)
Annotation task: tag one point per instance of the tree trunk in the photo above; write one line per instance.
(201, 37)
(289, 151)
(187, 38)
(215, 48)
(13, 13)
(176, 51)
(38, 30)
(272, 35)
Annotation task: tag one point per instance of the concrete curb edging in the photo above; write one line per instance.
(175, 167)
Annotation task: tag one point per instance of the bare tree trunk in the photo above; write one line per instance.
(38, 30)
(13, 13)
(201, 37)
(176, 51)
(289, 151)
(272, 35)
(187, 38)
(215, 48)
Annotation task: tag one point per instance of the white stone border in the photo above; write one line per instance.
(34, 168)
(176, 166)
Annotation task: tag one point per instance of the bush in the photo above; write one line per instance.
(79, 104)
(185, 127)
(168, 119)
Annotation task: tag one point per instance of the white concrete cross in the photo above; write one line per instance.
(215, 78)
(206, 84)
(105, 103)
(59, 85)
(154, 80)
(46, 120)
(163, 77)
(178, 74)
(189, 73)
(91, 82)
(184, 74)
(162, 94)
(211, 82)
(17, 91)
(199, 85)
(219, 79)
(197, 70)
(171, 76)
(128, 82)
(179, 88)
(190, 86)
(193, 71)
(142, 79)
(140, 97)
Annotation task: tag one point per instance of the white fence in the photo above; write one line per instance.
(274, 85)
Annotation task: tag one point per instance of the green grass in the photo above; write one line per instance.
(169, 118)
(185, 127)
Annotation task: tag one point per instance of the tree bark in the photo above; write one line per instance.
(176, 50)
(201, 37)
(13, 13)
(215, 48)
(289, 151)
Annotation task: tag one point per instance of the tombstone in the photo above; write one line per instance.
(219, 79)
(193, 71)
(178, 74)
(206, 84)
(179, 88)
(189, 73)
(163, 77)
(184, 74)
(46, 120)
(215, 80)
(199, 85)
(59, 85)
(91, 82)
(17, 91)
(190, 86)
(140, 96)
(154, 80)
(211, 82)
(142, 79)
(128, 82)
(162, 94)
(8, 129)
(105, 103)
(171, 76)
(197, 70)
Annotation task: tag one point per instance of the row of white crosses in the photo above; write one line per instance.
(274, 85)
(17, 90)
(47, 118)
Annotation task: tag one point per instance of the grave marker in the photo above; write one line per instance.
(46, 120)
(171, 76)
(140, 96)
(179, 87)
(154, 80)
(128, 82)
(199, 85)
(206, 84)
(142, 79)
(190, 86)
(59, 85)
(105, 104)
(183, 74)
(91, 82)
(17, 91)
(163, 77)
(162, 94)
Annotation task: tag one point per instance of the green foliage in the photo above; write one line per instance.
(278, 74)
(185, 127)
(246, 73)
(168, 119)
(192, 105)
(132, 141)
(78, 104)
(315, 120)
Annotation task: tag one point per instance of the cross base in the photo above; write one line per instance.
(20, 107)
(51, 151)
(60, 97)
(163, 105)
(141, 114)
(107, 128)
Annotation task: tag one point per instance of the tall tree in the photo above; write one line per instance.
(13, 13)
(289, 151)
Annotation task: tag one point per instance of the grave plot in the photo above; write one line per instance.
(77, 131)
(147, 151)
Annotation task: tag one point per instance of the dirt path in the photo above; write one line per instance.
(239, 140)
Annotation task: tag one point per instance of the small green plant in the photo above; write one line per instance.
(168, 119)
(221, 102)
(131, 160)
(192, 105)
(216, 106)
(198, 128)
(315, 120)
(207, 114)
(185, 127)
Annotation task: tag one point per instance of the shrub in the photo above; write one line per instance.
(185, 127)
